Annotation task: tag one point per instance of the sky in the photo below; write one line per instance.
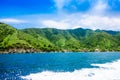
(61, 14)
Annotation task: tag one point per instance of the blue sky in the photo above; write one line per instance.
(61, 14)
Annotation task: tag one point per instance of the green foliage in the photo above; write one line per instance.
(79, 39)
(5, 30)
(49, 39)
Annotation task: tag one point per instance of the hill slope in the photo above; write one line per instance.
(50, 39)
(79, 39)
(13, 40)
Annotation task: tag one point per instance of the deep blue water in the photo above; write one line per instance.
(14, 65)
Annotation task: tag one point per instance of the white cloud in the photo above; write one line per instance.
(56, 24)
(100, 7)
(84, 21)
(11, 20)
(61, 3)
(97, 6)
(94, 18)
(100, 22)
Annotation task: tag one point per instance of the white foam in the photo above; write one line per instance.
(107, 71)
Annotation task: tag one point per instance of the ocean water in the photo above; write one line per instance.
(60, 66)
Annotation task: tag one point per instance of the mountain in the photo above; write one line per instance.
(13, 40)
(50, 39)
(79, 39)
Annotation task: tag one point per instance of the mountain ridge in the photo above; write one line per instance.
(51, 39)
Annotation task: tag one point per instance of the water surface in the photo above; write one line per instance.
(22, 66)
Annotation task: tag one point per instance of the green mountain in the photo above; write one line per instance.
(50, 39)
(12, 40)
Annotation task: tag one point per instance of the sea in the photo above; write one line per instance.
(60, 66)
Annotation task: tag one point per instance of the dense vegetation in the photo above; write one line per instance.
(50, 39)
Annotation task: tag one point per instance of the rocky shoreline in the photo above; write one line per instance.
(18, 51)
(22, 50)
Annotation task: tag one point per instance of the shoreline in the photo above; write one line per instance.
(42, 52)
(31, 50)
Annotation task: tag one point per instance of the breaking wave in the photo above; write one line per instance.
(107, 71)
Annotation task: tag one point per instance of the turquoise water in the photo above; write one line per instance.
(13, 66)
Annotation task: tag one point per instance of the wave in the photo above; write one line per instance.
(107, 71)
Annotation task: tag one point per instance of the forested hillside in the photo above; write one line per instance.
(50, 39)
